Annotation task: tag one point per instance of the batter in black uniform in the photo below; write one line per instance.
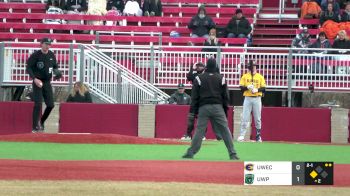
(40, 67)
(210, 99)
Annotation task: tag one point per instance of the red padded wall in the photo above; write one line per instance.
(99, 118)
(295, 124)
(171, 121)
(16, 117)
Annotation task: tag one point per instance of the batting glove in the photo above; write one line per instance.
(250, 87)
(254, 90)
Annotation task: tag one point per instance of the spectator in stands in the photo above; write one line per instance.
(180, 97)
(76, 6)
(238, 26)
(343, 3)
(80, 93)
(335, 4)
(310, 9)
(115, 5)
(345, 17)
(211, 42)
(55, 7)
(200, 24)
(56, 3)
(132, 8)
(302, 40)
(321, 42)
(152, 8)
(329, 14)
(342, 42)
(96, 7)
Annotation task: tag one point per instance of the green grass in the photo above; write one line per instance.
(211, 151)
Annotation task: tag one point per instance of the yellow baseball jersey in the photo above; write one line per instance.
(257, 80)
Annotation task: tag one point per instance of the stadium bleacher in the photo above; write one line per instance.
(24, 22)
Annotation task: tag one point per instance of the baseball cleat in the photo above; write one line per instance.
(186, 137)
(240, 139)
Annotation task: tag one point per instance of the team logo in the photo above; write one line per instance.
(249, 179)
(249, 167)
(40, 65)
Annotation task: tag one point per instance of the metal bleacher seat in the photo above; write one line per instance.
(22, 7)
(24, 22)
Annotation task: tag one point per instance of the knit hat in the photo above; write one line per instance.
(211, 65)
(238, 11)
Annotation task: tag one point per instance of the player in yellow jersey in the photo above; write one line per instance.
(253, 86)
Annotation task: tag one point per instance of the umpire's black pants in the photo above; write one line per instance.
(215, 113)
(38, 95)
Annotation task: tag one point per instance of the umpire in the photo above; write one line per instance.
(40, 67)
(210, 99)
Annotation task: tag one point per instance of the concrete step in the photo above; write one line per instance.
(285, 22)
(274, 16)
(272, 42)
(52, 123)
(271, 31)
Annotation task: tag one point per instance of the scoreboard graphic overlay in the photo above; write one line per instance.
(288, 173)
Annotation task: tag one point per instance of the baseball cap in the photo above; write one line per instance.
(251, 63)
(181, 85)
(46, 41)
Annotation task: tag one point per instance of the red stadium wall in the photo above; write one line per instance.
(296, 124)
(171, 121)
(99, 118)
(16, 117)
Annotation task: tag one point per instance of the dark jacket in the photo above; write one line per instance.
(318, 44)
(71, 3)
(211, 43)
(345, 17)
(180, 99)
(329, 16)
(80, 99)
(200, 26)
(209, 88)
(119, 4)
(242, 27)
(41, 65)
(57, 3)
(341, 44)
(152, 6)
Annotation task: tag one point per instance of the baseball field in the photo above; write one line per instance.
(70, 164)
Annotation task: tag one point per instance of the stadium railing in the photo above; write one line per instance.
(166, 67)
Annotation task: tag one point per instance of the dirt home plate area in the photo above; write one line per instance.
(138, 177)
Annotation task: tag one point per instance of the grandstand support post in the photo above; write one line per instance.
(218, 59)
(71, 60)
(97, 41)
(81, 64)
(290, 71)
(2, 62)
(119, 86)
(151, 65)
